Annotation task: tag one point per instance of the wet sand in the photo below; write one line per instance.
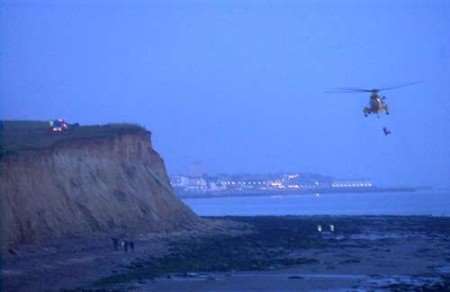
(285, 253)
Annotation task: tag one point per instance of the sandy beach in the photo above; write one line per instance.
(286, 253)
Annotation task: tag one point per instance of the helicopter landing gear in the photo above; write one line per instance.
(366, 112)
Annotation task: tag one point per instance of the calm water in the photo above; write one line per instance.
(436, 203)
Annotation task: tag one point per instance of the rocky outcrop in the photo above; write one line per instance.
(81, 185)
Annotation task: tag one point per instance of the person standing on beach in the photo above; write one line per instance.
(131, 245)
(125, 246)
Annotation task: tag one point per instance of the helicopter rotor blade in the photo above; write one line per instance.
(373, 90)
(349, 90)
(354, 89)
(400, 86)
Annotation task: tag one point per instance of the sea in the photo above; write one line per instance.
(428, 203)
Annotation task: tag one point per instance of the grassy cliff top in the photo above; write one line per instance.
(29, 135)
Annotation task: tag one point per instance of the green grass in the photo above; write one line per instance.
(31, 135)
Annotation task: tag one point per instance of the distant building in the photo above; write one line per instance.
(179, 181)
(252, 183)
(187, 183)
(351, 184)
(244, 182)
(197, 184)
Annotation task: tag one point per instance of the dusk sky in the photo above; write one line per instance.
(240, 85)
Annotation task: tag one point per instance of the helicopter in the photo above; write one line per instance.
(377, 103)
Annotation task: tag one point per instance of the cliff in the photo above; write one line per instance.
(88, 179)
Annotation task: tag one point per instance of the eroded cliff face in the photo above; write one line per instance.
(87, 185)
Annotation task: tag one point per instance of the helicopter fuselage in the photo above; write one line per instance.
(376, 105)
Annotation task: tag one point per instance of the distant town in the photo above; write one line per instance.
(204, 185)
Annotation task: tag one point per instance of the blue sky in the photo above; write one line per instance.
(239, 85)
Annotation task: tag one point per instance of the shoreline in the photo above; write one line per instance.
(249, 253)
(262, 193)
(288, 253)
